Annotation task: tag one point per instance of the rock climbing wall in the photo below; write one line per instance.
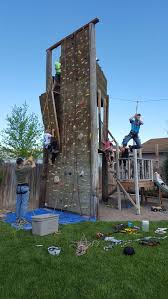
(69, 181)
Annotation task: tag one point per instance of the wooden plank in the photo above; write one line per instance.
(136, 181)
(107, 116)
(48, 70)
(126, 193)
(56, 119)
(142, 194)
(104, 120)
(157, 156)
(93, 22)
(93, 118)
(105, 178)
(99, 117)
(129, 184)
(118, 177)
(160, 196)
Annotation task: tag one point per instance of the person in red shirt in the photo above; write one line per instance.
(108, 149)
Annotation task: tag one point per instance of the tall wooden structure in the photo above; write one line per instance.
(71, 109)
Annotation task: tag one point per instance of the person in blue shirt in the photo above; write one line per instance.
(136, 122)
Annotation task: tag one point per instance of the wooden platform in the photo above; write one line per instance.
(129, 184)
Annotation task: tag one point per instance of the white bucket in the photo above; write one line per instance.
(145, 225)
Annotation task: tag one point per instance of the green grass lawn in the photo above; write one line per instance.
(29, 272)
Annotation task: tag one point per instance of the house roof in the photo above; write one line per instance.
(150, 145)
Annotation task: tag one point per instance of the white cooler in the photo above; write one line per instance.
(45, 224)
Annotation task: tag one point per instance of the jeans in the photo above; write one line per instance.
(135, 138)
(22, 199)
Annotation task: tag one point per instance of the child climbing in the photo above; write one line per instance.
(57, 74)
(53, 149)
(136, 122)
(47, 139)
(57, 70)
(108, 148)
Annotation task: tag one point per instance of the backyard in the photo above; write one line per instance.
(29, 272)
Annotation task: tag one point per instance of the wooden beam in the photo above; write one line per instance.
(126, 193)
(93, 118)
(105, 177)
(160, 197)
(107, 116)
(157, 156)
(118, 176)
(99, 116)
(104, 119)
(48, 70)
(136, 182)
(43, 181)
(56, 119)
(94, 21)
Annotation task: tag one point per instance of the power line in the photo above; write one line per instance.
(139, 101)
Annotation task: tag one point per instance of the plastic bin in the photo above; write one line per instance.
(45, 224)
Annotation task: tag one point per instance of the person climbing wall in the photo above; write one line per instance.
(47, 139)
(54, 149)
(136, 122)
(57, 70)
(108, 148)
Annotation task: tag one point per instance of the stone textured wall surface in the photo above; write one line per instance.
(68, 184)
(69, 179)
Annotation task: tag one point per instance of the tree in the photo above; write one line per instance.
(23, 134)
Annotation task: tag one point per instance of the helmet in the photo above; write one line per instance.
(128, 251)
(54, 250)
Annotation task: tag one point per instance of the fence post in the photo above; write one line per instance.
(136, 182)
(118, 176)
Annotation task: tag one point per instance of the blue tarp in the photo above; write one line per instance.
(64, 217)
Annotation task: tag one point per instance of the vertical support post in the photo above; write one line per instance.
(48, 70)
(142, 194)
(105, 176)
(152, 170)
(99, 116)
(106, 116)
(140, 153)
(43, 184)
(157, 156)
(118, 176)
(105, 119)
(136, 182)
(160, 196)
(93, 117)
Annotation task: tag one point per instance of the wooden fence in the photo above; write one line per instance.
(8, 186)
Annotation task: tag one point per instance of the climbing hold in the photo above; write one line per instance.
(74, 127)
(80, 136)
(81, 174)
(56, 179)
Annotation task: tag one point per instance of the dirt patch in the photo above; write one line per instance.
(109, 211)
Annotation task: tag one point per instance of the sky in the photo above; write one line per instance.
(131, 43)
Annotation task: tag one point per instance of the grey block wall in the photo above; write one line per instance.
(72, 167)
